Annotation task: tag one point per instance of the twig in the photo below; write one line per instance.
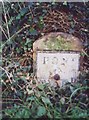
(8, 14)
(11, 99)
(6, 20)
(23, 4)
(15, 10)
(19, 5)
(15, 35)
(3, 32)
(6, 73)
(31, 12)
(85, 105)
(85, 53)
(81, 88)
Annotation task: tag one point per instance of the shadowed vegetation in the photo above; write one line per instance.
(22, 96)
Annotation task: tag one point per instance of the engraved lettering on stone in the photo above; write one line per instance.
(64, 64)
(55, 60)
(46, 59)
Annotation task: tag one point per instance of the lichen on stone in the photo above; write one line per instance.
(57, 43)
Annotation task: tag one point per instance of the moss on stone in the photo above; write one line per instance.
(58, 43)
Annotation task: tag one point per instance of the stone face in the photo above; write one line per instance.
(50, 64)
(57, 54)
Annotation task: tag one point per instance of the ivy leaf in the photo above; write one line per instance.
(40, 87)
(29, 91)
(32, 98)
(23, 11)
(49, 115)
(24, 113)
(18, 16)
(28, 41)
(41, 111)
(46, 100)
(33, 31)
(40, 25)
(41, 18)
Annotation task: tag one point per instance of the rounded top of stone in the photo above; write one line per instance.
(58, 41)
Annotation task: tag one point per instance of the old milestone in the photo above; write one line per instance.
(57, 58)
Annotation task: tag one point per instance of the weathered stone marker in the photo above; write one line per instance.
(57, 58)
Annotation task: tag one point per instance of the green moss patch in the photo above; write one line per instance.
(57, 43)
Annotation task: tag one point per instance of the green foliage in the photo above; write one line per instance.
(18, 112)
(46, 101)
(40, 87)
(79, 113)
(41, 111)
(23, 97)
(58, 44)
(48, 105)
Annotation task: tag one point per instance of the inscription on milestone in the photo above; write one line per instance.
(64, 64)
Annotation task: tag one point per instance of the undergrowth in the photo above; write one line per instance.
(43, 101)
(22, 95)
